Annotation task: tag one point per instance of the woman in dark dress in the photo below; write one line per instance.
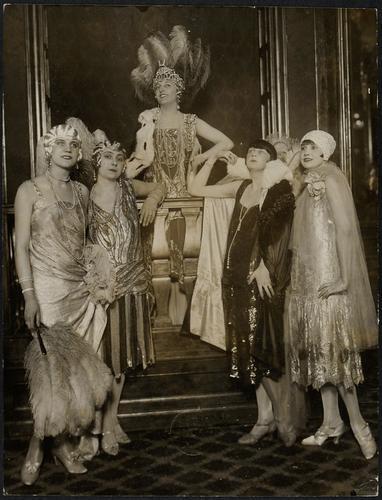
(256, 273)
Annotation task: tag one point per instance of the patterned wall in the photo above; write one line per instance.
(92, 51)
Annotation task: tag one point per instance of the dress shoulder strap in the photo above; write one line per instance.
(36, 188)
(242, 187)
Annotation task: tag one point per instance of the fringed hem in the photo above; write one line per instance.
(321, 342)
(347, 378)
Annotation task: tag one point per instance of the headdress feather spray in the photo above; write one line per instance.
(190, 60)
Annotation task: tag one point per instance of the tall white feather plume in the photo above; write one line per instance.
(190, 60)
(179, 43)
(159, 47)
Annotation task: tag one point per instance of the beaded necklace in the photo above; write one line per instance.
(64, 208)
(243, 212)
(171, 154)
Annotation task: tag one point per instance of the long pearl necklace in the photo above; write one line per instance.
(243, 213)
(62, 207)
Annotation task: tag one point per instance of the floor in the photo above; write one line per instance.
(210, 462)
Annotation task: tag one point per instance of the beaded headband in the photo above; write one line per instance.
(103, 146)
(166, 73)
(60, 132)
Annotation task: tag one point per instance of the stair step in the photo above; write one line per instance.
(165, 379)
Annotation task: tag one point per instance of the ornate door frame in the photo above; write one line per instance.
(273, 40)
(38, 82)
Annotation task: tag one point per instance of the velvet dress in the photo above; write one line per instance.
(254, 326)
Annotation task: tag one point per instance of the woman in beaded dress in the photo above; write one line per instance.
(330, 308)
(114, 224)
(255, 276)
(50, 234)
(175, 135)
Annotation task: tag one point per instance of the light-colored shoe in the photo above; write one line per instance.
(324, 433)
(87, 449)
(258, 432)
(120, 435)
(30, 470)
(109, 443)
(366, 441)
(67, 459)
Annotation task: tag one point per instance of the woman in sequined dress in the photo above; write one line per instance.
(114, 223)
(330, 310)
(170, 76)
(255, 276)
(176, 145)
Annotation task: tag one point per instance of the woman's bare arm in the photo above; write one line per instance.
(155, 194)
(220, 141)
(24, 200)
(196, 183)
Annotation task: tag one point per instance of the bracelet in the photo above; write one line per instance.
(21, 280)
(27, 290)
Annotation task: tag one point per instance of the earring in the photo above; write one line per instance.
(77, 166)
(178, 95)
(94, 176)
(120, 181)
(48, 160)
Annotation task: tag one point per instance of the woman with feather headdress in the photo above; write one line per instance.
(65, 284)
(172, 70)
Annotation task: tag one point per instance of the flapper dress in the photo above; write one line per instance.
(69, 382)
(127, 341)
(174, 149)
(254, 326)
(56, 250)
(325, 335)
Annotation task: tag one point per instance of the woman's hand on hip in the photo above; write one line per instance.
(332, 288)
(263, 280)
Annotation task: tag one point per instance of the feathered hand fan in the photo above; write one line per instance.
(67, 384)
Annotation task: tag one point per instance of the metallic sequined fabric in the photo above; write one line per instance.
(321, 338)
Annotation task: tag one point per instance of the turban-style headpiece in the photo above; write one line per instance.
(323, 140)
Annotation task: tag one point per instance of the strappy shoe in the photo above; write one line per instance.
(366, 442)
(120, 434)
(324, 433)
(258, 432)
(67, 459)
(109, 443)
